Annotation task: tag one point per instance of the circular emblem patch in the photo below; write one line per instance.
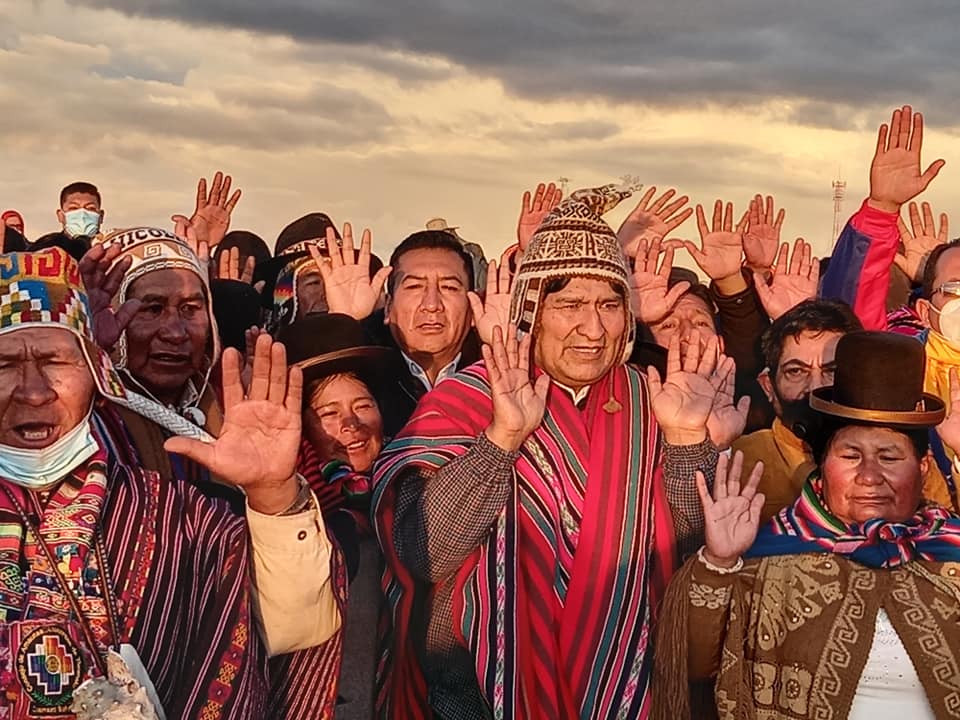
(50, 667)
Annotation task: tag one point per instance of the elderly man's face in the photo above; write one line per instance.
(45, 386)
(580, 333)
(167, 338)
(689, 314)
(872, 472)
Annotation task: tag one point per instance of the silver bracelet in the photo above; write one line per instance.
(719, 570)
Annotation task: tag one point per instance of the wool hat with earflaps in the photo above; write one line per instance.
(879, 381)
(573, 241)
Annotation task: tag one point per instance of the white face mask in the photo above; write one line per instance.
(950, 320)
(42, 469)
(81, 222)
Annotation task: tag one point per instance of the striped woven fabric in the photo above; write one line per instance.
(556, 606)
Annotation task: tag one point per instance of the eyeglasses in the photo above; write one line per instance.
(949, 288)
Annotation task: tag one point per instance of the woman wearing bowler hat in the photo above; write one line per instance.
(847, 603)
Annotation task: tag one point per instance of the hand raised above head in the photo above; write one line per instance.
(493, 311)
(534, 208)
(895, 174)
(651, 294)
(652, 220)
(102, 283)
(790, 284)
(720, 253)
(918, 245)
(761, 240)
(347, 284)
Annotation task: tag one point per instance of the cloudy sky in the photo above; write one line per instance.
(389, 112)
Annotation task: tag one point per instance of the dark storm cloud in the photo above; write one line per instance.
(857, 53)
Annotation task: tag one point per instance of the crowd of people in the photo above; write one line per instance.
(575, 481)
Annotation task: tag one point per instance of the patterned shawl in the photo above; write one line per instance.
(807, 526)
(556, 606)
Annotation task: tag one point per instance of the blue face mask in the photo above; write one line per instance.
(42, 469)
(81, 222)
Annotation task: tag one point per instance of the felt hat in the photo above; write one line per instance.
(879, 381)
(324, 344)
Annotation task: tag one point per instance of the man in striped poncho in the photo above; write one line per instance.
(536, 504)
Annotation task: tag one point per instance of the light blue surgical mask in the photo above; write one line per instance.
(42, 469)
(81, 222)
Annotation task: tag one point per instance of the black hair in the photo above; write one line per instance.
(829, 426)
(79, 187)
(930, 267)
(430, 240)
(817, 316)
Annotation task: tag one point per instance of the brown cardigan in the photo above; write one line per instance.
(788, 636)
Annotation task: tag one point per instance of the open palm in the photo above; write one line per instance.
(651, 220)
(732, 514)
(684, 399)
(518, 403)
(494, 309)
(347, 284)
(727, 418)
(761, 240)
(791, 284)
(919, 244)
(534, 209)
(895, 173)
(258, 444)
(721, 245)
(102, 283)
(653, 298)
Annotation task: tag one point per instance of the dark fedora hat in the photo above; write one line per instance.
(324, 344)
(879, 381)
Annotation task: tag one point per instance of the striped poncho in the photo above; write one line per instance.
(556, 606)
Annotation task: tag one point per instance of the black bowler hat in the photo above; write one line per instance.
(324, 344)
(879, 381)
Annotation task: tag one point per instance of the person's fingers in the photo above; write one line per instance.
(702, 222)
(525, 203)
(294, 400)
(901, 262)
(707, 362)
(929, 229)
(366, 245)
(126, 312)
(720, 478)
(905, 236)
(333, 247)
(915, 220)
(717, 216)
(348, 249)
(524, 353)
(666, 267)
(180, 226)
(195, 450)
(380, 279)
(675, 205)
(234, 199)
(661, 201)
(232, 385)
(249, 268)
(756, 508)
(699, 257)
(674, 361)
(881, 140)
(895, 134)
(538, 197)
(542, 387)
(557, 198)
(743, 406)
(768, 215)
(675, 293)
(944, 229)
(782, 259)
(277, 392)
(797, 257)
(492, 285)
(224, 191)
(203, 252)
(744, 221)
(260, 380)
(214, 197)
(653, 380)
(500, 350)
(114, 278)
(728, 217)
(505, 281)
(548, 197)
(753, 481)
(763, 289)
(223, 265)
(705, 500)
(931, 172)
(781, 216)
(754, 211)
(513, 352)
(201, 194)
(322, 263)
(915, 139)
(680, 218)
(733, 476)
(646, 198)
(691, 358)
(493, 372)
(234, 263)
(476, 305)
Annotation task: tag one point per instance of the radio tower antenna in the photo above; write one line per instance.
(839, 191)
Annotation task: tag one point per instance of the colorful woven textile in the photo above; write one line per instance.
(807, 526)
(556, 606)
(44, 289)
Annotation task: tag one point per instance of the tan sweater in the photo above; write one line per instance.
(788, 636)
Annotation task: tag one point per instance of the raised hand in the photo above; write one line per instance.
(211, 216)
(895, 175)
(727, 420)
(258, 444)
(790, 285)
(346, 277)
(721, 245)
(732, 515)
(187, 232)
(949, 429)
(921, 243)
(683, 400)
(762, 237)
(102, 283)
(518, 404)
(534, 209)
(229, 266)
(651, 295)
(493, 311)
(652, 220)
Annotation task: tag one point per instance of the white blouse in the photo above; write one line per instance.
(889, 686)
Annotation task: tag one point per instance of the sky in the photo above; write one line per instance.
(386, 113)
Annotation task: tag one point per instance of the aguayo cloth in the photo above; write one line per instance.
(179, 570)
(556, 606)
(807, 526)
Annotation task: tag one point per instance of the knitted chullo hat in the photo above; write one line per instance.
(573, 241)
(44, 289)
(154, 249)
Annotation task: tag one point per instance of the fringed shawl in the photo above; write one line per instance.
(556, 607)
